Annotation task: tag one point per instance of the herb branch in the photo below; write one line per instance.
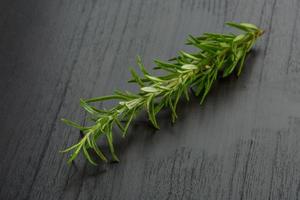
(218, 55)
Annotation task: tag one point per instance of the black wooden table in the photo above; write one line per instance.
(243, 143)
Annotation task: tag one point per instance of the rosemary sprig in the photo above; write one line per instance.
(217, 55)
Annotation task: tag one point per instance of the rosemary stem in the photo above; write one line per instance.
(218, 54)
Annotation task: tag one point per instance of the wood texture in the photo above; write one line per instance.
(242, 144)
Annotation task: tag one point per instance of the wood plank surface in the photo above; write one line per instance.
(243, 143)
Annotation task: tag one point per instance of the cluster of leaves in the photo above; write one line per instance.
(217, 55)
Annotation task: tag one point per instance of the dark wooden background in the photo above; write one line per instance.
(243, 143)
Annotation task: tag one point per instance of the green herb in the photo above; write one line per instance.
(217, 55)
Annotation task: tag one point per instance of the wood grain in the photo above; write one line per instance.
(242, 144)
